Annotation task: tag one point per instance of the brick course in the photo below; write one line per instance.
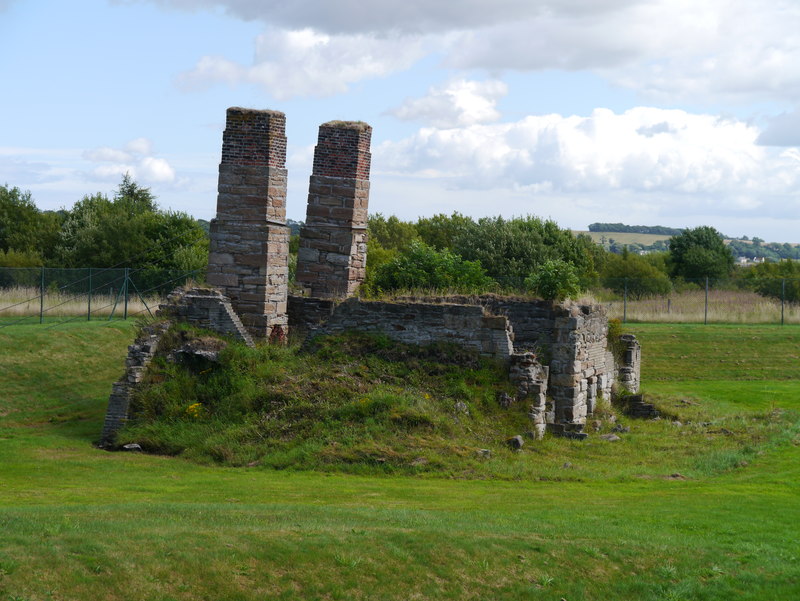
(249, 251)
(332, 259)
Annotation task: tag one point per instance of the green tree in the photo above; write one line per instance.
(422, 266)
(555, 280)
(775, 280)
(511, 249)
(441, 231)
(700, 253)
(636, 275)
(131, 231)
(391, 233)
(23, 228)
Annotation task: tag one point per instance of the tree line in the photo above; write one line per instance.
(127, 230)
(454, 253)
(621, 228)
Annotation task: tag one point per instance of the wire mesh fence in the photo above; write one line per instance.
(31, 295)
(702, 300)
(42, 294)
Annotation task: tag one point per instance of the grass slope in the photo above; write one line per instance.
(80, 523)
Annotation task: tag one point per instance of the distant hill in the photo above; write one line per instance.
(621, 228)
(644, 238)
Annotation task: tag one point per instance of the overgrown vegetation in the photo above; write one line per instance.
(356, 402)
(364, 404)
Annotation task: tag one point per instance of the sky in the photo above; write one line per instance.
(653, 112)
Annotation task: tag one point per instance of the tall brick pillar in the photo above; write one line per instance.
(332, 259)
(249, 254)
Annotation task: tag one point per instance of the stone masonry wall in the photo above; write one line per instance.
(205, 308)
(140, 353)
(419, 323)
(570, 338)
(307, 313)
(200, 307)
(249, 252)
(630, 368)
(332, 259)
(579, 368)
(531, 378)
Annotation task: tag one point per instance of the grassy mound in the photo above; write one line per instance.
(353, 401)
(365, 404)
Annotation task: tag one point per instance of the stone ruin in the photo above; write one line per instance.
(557, 354)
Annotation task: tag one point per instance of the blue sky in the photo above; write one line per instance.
(670, 112)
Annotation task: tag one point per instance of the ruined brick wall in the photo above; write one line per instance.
(205, 308)
(200, 307)
(571, 339)
(332, 259)
(140, 353)
(418, 323)
(249, 252)
(307, 313)
(631, 365)
(581, 368)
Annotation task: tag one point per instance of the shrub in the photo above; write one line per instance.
(422, 266)
(554, 280)
(635, 274)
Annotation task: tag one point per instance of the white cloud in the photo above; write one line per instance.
(709, 51)
(696, 161)
(308, 63)
(392, 16)
(455, 104)
(140, 146)
(136, 158)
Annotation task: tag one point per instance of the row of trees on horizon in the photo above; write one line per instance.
(448, 253)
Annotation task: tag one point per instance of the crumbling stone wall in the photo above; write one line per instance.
(140, 353)
(631, 364)
(332, 259)
(249, 252)
(307, 313)
(201, 307)
(531, 378)
(205, 308)
(581, 367)
(570, 338)
(420, 323)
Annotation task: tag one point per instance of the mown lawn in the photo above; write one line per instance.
(80, 523)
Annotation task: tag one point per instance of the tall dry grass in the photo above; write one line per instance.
(724, 306)
(23, 301)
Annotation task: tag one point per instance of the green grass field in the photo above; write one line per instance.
(80, 523)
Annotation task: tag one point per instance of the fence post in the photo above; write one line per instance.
(625, 303)
(89, 300)
(705, 314)
(125, 311)
(41, 298)
(783, 297)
